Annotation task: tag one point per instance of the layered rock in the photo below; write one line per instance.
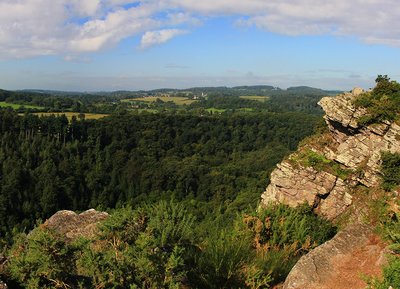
(72, 225)
(356, 148)
(295, 185)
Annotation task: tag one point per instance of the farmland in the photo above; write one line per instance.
(175, 99)
(255, 97)
(18, 106)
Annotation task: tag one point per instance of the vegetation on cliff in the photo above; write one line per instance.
(382, 102)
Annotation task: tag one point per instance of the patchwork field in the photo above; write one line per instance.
(255, 97)
(175, 99)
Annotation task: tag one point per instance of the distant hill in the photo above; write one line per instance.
(261, 90)
(312, 90)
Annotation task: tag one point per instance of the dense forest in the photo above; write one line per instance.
(191, 177)
(49, 163)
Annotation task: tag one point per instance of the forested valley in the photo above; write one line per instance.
(192, 176)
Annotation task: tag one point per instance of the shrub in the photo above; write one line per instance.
(309, 158)
(135, 248)
(221, 263)
(391, 272)
(382, 103)
(280, 235)
(43, 259)
(390, 170)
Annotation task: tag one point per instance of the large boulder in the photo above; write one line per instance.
(73, 225)
(340, 262)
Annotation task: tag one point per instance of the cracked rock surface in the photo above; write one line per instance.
(339, 263)
(294, 186)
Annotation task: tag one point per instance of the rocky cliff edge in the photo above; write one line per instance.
(325, 171)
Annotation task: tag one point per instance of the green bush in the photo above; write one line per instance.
(309, 158)
(221, 262)
(43, 259)
(382, 103)
(154, 246)
(390, 170)
(279, 226)
(282, 234)
(135, 248)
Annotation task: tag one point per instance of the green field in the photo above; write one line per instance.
(175, 99)
(17, 106)
(215, 110)
(261, 98)
(69, 115)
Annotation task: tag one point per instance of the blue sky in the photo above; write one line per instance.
(90, 45)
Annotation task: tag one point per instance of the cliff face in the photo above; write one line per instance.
(325, 171)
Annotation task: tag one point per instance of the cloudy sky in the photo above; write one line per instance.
(120, 44)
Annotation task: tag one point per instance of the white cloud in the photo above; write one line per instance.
(151, 38)
(85, 7)
(43, 27)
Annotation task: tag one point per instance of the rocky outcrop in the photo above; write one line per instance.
(354, 148)
(340, 111)
(295, 185)
(71, 225)
(340, 262)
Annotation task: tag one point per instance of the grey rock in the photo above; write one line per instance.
(357, 148)
(72, 225)
(296, 185)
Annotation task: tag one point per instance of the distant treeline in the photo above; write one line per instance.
(293, 99)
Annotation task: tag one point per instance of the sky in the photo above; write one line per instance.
(105, 45)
